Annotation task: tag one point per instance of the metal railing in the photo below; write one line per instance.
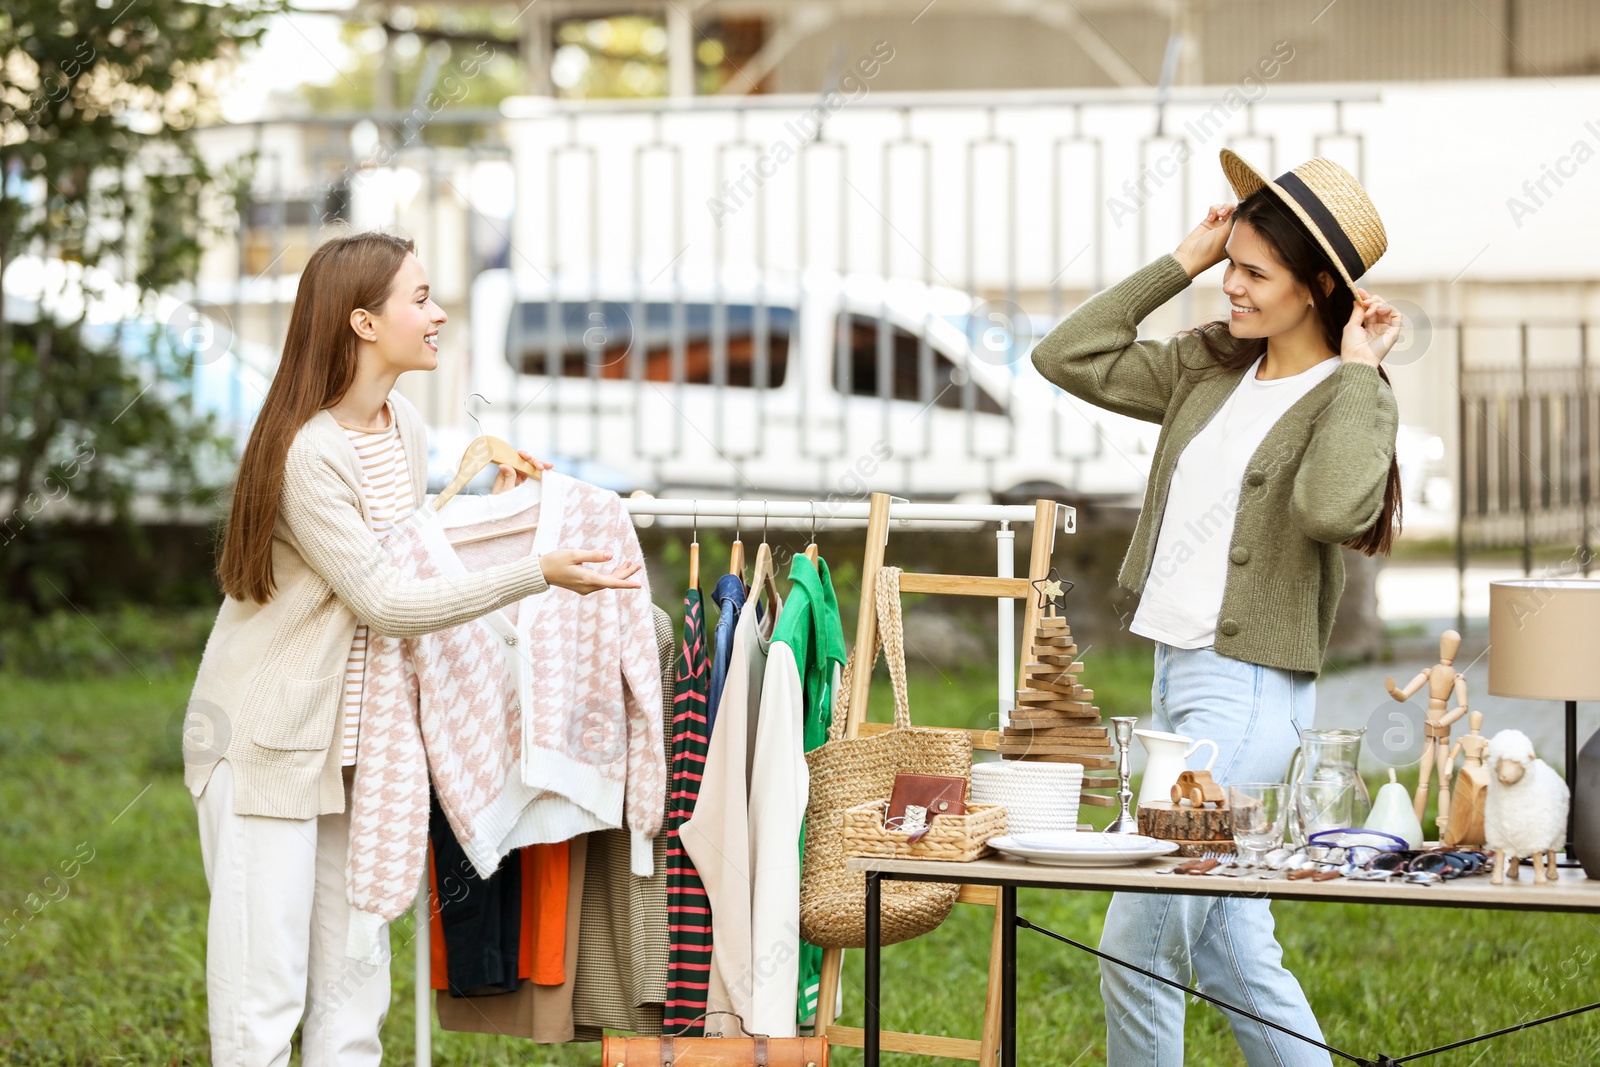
(1011, 205)
(1527, 446)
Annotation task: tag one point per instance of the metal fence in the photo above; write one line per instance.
(1527, 449)
(633, 288)
(636, 287)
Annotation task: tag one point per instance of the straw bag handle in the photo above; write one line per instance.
(886, 591)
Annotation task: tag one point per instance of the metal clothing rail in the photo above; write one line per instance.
(823, 510)
(791, 514)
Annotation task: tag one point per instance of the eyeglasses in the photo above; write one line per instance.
(1341, 855)
(1349, 836)
(1433, 865)
(1352, 846)
(1375, 855)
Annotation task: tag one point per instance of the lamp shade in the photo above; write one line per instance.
(1544, 638)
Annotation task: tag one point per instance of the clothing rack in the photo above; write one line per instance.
(900, 510)
(801, 515)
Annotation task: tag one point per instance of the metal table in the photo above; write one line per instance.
(1572, 892)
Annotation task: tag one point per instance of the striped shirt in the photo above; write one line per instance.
(688, 908)
(386, 484)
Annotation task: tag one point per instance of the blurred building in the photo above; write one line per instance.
(789, 46)
(953, 177)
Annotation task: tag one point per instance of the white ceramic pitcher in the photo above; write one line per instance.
(1169, 757)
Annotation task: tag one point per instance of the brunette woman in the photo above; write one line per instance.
(1277, 446)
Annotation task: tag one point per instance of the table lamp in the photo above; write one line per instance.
(1542, 646)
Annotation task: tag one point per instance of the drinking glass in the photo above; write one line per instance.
(1259, 817)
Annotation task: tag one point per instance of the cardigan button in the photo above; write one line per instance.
(1239, 554)
(1255, 477)
(1229, 627)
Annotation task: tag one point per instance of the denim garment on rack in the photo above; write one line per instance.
(729, 594)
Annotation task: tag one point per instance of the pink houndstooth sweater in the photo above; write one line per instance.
(538, 722)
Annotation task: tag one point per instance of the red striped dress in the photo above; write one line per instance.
(688, 911)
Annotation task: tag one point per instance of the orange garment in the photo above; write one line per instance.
(542, 948)
(437, 978)
(542, 957)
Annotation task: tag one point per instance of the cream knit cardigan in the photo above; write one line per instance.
(269, 694)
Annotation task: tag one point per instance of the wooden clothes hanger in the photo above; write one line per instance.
(483, 451)
(492, 534)
(765, 574)
(694, 548)
(736, 554)
(811, 549)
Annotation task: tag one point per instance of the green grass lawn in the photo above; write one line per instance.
(102, 960)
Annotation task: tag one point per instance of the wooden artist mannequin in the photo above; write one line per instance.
(1472, 786)
(1443, 681)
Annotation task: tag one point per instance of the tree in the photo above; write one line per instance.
(103, 193)
(438, 58)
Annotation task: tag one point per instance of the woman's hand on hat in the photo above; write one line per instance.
(1205, 246)
(564, 567)
(509, 477)
(1373, 329)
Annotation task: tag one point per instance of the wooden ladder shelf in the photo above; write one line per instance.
(1046, 518)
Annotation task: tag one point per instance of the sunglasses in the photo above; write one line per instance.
(1433, 865)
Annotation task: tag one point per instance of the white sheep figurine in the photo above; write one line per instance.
(1525, 812)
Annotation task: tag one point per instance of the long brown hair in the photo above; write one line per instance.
(319, 363)
(1298, 251)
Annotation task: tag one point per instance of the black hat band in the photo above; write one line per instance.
(1290, 183)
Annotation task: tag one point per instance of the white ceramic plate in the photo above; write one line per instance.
(1067, 848)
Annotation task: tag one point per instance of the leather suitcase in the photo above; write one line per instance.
(714, 1052)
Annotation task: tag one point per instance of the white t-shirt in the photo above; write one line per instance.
(1183, 592)
(386, 483)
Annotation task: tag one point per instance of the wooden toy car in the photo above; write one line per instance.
(1198, 788)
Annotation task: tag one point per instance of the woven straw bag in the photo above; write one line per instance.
(846, 771)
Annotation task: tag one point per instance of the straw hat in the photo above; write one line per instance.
(1329, 201)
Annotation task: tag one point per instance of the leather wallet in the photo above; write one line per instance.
(935, 794)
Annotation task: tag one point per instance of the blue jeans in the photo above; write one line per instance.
(1255, 715)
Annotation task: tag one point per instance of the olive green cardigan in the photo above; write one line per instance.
(1317, 479)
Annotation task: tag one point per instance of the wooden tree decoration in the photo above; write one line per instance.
(1055, 720)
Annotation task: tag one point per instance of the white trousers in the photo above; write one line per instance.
(276, 937)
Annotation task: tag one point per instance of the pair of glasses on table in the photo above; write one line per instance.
(1374, 855)
(1427, 866)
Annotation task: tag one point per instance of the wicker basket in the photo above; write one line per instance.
(960, 838)
(833, 906)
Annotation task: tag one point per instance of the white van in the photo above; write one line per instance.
(817, 385)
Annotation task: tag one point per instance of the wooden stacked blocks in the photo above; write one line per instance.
(1055, 720)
